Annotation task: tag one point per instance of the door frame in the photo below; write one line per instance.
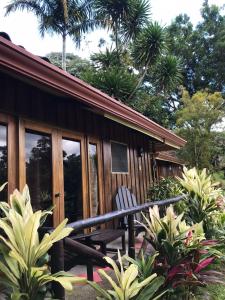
(36, 127)
(68, 134)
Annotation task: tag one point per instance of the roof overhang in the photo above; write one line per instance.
(163, 156)
(19, 62)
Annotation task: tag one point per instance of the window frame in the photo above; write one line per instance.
(128, 165)
(11, 138)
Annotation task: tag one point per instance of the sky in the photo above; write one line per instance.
(23, 27)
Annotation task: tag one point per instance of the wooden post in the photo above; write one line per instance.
(57, 264)
(131, 239)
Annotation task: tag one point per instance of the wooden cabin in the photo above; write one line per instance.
(167, 164)
(72, 144)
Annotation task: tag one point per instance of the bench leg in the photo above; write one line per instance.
(90, 270)
(123, 243)
(103, 248)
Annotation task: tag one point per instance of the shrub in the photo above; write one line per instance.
(166, 188)
(129, 284)
(24, 270)
(201, 198)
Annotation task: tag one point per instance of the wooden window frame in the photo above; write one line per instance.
(40, 128)
(96, 142)
(67, 134)
(10, 123)
(128, 165)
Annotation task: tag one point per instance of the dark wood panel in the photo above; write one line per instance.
(29, 102)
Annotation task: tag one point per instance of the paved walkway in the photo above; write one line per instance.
(85, 292)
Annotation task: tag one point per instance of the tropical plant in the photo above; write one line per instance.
(147, 48)
(167, 74)
(202, 195)
(128, 284)
(24, 270)
(170, 235)
(197, 269)
(166, 188)
(67, 18)
(145, 264)
(183, 256)
(124, 17)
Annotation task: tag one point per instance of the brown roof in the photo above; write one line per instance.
(169, 156)
(20, 62)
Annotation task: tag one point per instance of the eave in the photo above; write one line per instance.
(16, 60)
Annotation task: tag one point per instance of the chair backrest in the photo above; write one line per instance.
(125, 199)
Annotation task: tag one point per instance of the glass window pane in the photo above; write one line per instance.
(119, 158)
(73, 201)
(39, 169)
(3, 161)
(93, 177)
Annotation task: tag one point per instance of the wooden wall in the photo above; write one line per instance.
(23, 100)
(168, 169)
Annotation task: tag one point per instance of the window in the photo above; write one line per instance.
(38, 150)
(72, 167)
(93, 180)
(3, 161)
(119, 158)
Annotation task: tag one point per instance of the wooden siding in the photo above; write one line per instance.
(168, 169)
(22, 100)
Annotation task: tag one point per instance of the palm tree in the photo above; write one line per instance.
(64, 17)
(124, 17)
(147, 48)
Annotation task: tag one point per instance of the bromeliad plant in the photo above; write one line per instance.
(23, 266)
(129, 283)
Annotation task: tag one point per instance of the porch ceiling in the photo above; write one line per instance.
(19, 62)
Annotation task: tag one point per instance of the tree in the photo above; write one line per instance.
(67, 18)
(147, 48)
(195, 121)
(201, 49)
(125, 18)
(75, 64)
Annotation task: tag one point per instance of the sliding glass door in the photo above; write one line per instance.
(62, 170)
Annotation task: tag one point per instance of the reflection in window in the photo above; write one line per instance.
(93, 177)
(72, 180)
(3, 161)
(119, 158)
(39, 169)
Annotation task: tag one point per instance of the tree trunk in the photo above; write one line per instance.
(65, 14)
(140, 80)
(64, 51)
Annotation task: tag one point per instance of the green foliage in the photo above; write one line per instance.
(124, 17)
(166, 188)
(114, 81)
(202, 196)
(183, 256)
(200, 48)
(128, 284)
(145, 264)
(71, 18)
(24, 270)
(149, 45)
(167, 74)
(195, 121)
(75, 64)
(168, 234)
